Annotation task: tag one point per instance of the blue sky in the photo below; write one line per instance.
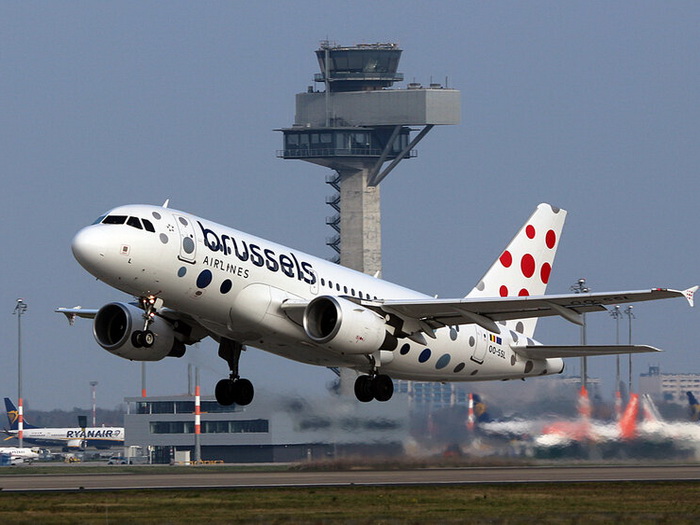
(592, 106)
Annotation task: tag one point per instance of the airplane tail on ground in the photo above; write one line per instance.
(524, 267)
(13, 416)
(649, 410)
(694, 407)
(628, 421)
(476, 412)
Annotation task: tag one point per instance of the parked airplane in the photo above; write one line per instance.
(193, 278)
(20, 455)
(586, 430)
(98, 437)
(655, 428)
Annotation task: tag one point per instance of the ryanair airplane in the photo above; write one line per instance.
(68, 438)
(193, 278)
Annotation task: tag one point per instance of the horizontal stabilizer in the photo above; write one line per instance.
(547, 351)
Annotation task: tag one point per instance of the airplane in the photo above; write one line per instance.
(193, 278)
(20, 455)
(655, 428)
(70, 438)
(586, 430)
(694, 406)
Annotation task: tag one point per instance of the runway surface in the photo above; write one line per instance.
(213, 477)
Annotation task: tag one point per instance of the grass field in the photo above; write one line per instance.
(582, 503)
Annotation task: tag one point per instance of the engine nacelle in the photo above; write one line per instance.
(343, 326)
(115, 324)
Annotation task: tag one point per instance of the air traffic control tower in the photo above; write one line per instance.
(356, 125)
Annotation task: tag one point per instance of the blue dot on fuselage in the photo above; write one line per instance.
(443, 361)
(226, 286)
(182, 271)
(424, 355)
(204, 279)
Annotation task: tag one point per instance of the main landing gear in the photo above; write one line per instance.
(234, 389)
(146, 338)
(373, 386)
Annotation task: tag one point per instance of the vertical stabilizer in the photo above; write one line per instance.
(694, 407)
(13, 416)
(524, 267)
(628, 421)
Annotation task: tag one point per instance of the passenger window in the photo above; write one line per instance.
(148, 225)
(134, 222)
(114, 219)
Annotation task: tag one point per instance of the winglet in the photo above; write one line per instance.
(689, 293)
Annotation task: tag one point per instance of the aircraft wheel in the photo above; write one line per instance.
(148, 338)
(243, 392)
(363, 389)
(224, 392)
(382, 387)
(136, 339)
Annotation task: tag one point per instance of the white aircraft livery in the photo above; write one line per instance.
(193, 278)
(66, 437)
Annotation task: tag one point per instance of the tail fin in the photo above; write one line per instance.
(651, 413)
(694, 407)
(524, 267)
(13, 416)
(628, 421)
(584, 404)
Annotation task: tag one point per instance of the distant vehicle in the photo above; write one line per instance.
(117, 460)
(193, 278)
(69, 438)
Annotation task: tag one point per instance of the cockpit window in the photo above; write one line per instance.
(114, 219)
(134, 222)
(148, 225)
(99, 219)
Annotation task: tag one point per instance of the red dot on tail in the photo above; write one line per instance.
(550, 239)
(506, 259)
(545, 271)
(523, 293)
(530, 231)
(527, 265)
(503, 291)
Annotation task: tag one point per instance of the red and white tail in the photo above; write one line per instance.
(628, 421)
(524, 267)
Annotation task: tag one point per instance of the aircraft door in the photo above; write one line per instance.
(479, 346)
(188, 240)
(314, 285)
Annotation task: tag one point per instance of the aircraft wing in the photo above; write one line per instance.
(77, 311)
(434, 313)
(547, 351)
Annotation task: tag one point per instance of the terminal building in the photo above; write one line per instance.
(273, 429)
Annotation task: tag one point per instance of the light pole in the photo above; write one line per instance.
(630, 315)
(617, 315)
(93, 384)
(20, 309)
(580, 287)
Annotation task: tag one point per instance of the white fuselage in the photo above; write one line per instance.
(234, 285)
(99, 437)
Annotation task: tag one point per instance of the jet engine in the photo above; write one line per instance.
(117, 328)
(345, 327)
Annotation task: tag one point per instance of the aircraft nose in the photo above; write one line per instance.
(89, 248)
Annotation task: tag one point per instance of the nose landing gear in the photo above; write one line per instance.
(146, 338)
